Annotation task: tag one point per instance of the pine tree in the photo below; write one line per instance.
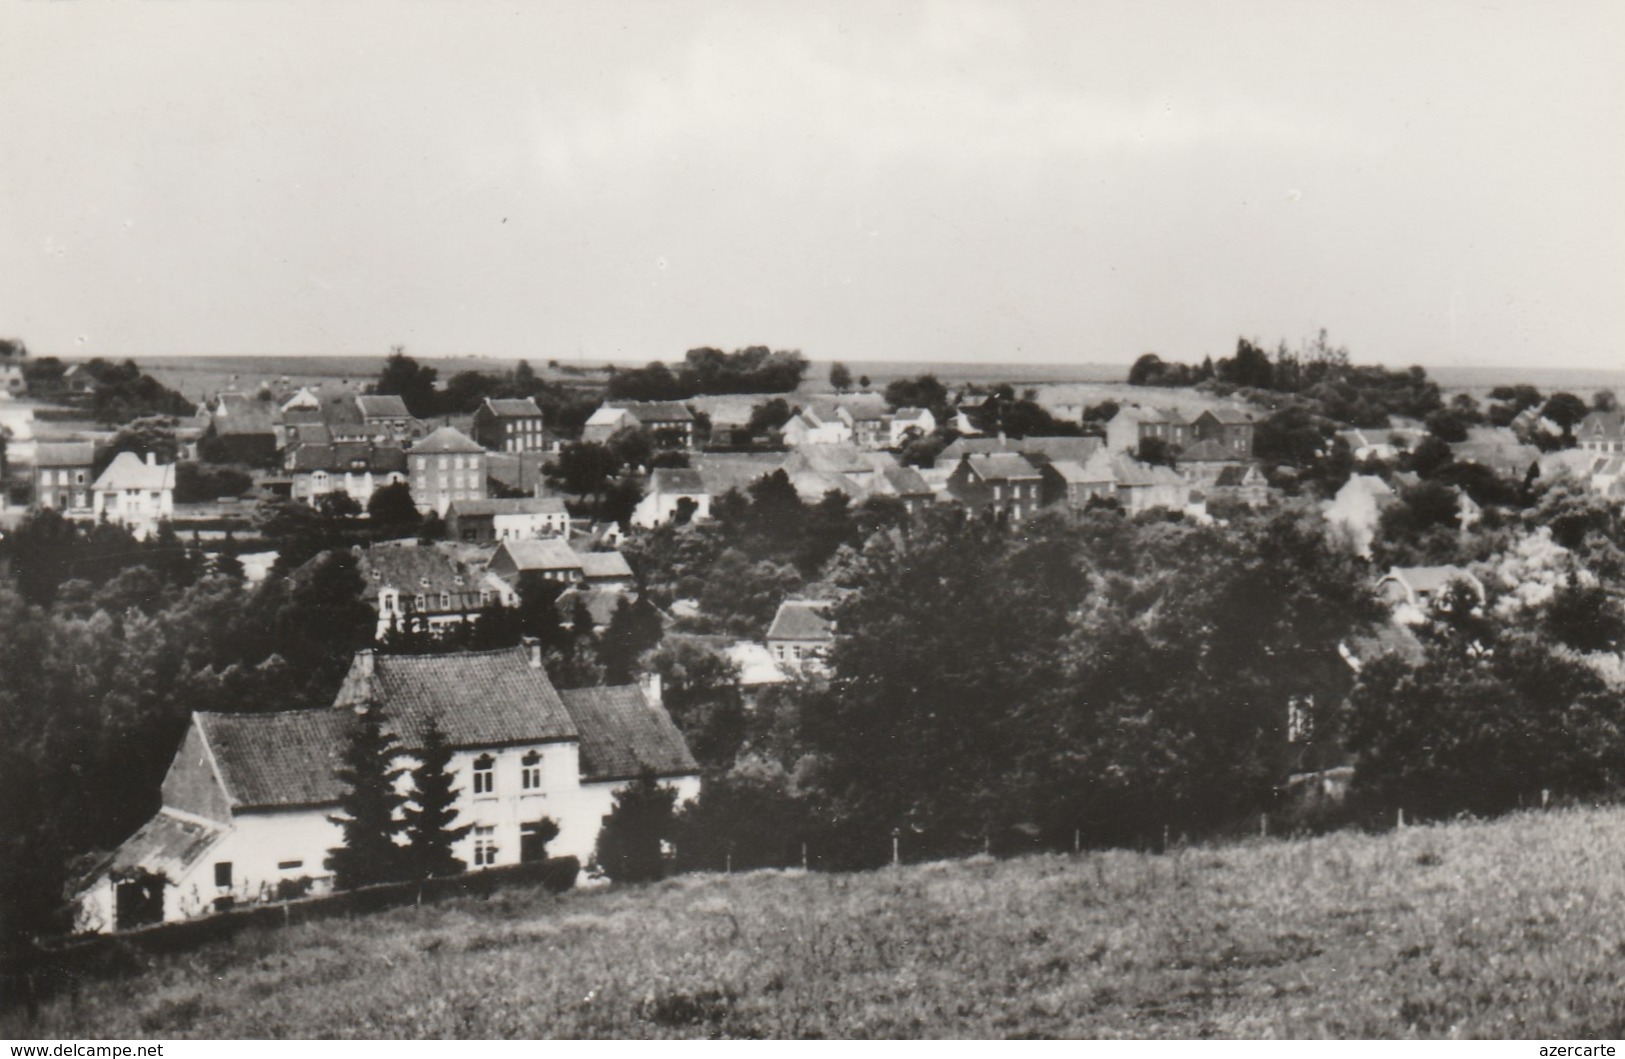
(429, 831)
(643, 816)
(370, 806)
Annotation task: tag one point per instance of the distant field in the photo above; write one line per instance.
(198, 376)
(1514, 928)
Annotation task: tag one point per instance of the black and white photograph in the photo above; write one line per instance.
(954, 519)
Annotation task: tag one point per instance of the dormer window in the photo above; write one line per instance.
(484, 774)
(423, 582)
(445, 601)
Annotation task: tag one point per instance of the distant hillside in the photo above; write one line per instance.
(1506, 929)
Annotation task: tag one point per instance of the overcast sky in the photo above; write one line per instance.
(1434, 182)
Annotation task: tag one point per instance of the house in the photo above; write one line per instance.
(135, 493)
(903, 483)
(605, 569)
(670, 424)
(498, 520)
(863, 413)
(1038, 449)
(240, 429)
(63, 474)
(356, 468)
(78, 381)
(304, 398)
(517, 473)
(806, 427)
(446, 466)
(1230, 428)
(1412, 591)
(509, 425)
(385, 413)
(554, 560)
(801, 635)
(675, 494)
(1075, 484)
(1000, 481)
(1132, 422)
(908, 423)
(1601, 432)
(1143, 486)
(248, 802)
(1497, 448)
(414, 587)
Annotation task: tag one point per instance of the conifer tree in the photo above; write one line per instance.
(370, 807)
(643, 815)
(430, 832)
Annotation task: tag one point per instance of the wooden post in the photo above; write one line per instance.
(1401, 818)
(1263, 825)
(804, 856)
(1545, 797)
(1077, 839)
(895, 858)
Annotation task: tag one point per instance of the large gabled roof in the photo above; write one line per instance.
(519, 505)
(597, 566)
(647, 412)
(801, 619)
(517, 407)
(129, 471)
(382, 406)
(412, 568)
(64, 454)
(668, 480)
(1001, 466)
(478, 698)
(622, 734)
(272, 760)
(446, 440)
(542, 553)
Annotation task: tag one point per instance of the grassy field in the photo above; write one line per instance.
(1506, 929)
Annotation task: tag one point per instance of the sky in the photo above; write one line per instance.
(1434, 182)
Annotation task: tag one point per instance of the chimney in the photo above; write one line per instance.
(152, 459)
(533, 650)
(364, 662)
(650, 683)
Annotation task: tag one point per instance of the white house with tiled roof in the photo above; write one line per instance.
(801, 635)
(134, 493)
(248, 801)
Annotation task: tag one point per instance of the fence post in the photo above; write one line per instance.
(1263, 825)
(804, 856)
(1077, 839)
(1545, 797)
(1401, 824)
(895, 857)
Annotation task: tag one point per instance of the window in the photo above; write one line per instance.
(289, 865)
(420, 603)
(484, 774)
(485, 846)
(531, 771)
(442, 463)
(222, 874)
(998, 492)
(445, 601)
(422, 462)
